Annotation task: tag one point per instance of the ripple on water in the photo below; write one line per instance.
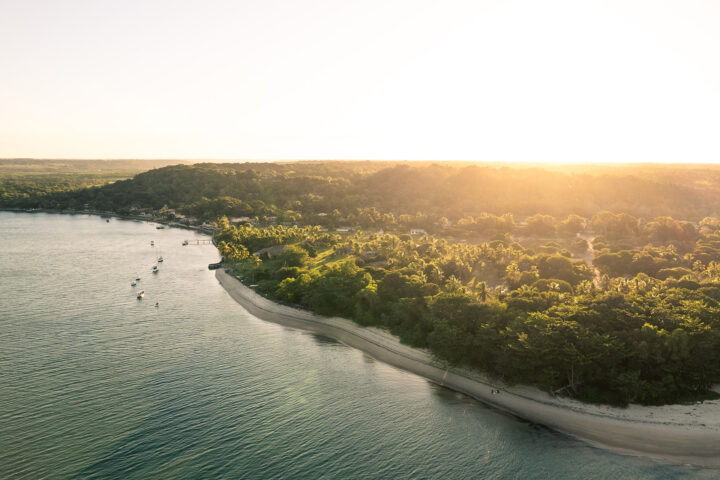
(96, 384)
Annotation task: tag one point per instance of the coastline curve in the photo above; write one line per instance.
(687, 434)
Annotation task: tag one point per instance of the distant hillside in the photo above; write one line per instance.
(27, 183)
(25, 166)
(436, 190)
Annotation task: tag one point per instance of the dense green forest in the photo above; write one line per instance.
(386, 194)
(632, 325)
(24, 183)
(597, 282)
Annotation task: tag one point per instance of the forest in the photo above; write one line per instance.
(25, 182)
(637, 324)
(386, 194)
(601, 283)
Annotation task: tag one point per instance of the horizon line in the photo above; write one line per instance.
(384, 160)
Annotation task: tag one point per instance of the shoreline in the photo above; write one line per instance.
(686, 434)
(138, 218)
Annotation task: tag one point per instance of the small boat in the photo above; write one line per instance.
(137, 279)
(185, 242)
(160, 227)
(160, 259)
(155, 269)
(157, 304)
(152, 243)
(133, 283)
(140, 294)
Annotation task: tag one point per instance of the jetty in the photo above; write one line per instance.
(197, 242)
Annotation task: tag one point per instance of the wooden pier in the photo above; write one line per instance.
(197, 242)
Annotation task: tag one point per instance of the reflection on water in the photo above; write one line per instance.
(322, 340)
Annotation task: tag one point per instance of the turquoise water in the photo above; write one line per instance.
(96, 384)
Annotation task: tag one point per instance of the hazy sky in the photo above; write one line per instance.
(514, 80)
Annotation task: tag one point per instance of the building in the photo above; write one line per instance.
(241, 219)
(417, 231)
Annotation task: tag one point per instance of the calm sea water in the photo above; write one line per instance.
(96, 384)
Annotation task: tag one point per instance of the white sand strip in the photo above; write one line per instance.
(676, 433)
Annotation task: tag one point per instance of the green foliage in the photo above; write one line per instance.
(639, 322)
(26, 183)
(541, 225)
(292, 256)
(463, 199)
(572, 225)
(611, 340)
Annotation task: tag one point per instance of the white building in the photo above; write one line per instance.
(241, 219)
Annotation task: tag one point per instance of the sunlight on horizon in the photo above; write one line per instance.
(519, 81)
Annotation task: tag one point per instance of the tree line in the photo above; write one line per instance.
(380, 194)
(598, 283)
(522, 315)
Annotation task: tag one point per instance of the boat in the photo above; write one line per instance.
(133, 283)
(160, 259)
(185, 242)
(155, 269)
(140, 294)
(160, 227)
(157, 304)
(152, 243)
(137, 279)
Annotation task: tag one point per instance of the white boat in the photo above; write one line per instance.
(137, 279)
(152, 243)
(155, 269)
(140, 294)
(160, 259)
(133, 283)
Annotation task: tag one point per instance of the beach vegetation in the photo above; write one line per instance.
(597, 283)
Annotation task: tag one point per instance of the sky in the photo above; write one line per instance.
(489, 80)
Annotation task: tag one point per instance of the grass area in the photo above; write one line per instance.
(326, 258)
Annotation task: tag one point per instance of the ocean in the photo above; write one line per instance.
(96, 384)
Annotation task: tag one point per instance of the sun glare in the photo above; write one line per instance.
(557, 81)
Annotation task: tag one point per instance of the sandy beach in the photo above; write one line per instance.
(675, 433)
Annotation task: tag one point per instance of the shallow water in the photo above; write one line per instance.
(96, 384)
